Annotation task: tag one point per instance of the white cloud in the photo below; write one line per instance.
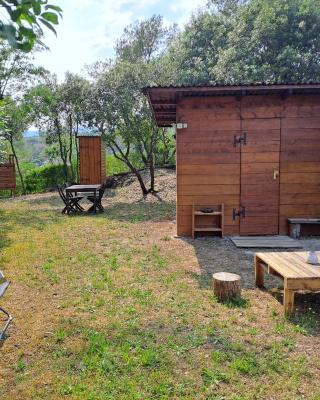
(90, 28)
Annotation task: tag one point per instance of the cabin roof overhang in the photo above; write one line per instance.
(89, 134)
(163, 99)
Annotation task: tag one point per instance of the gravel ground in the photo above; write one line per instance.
(216, 255)
(129, 190)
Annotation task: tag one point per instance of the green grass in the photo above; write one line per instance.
(110, 307)
(115, 166)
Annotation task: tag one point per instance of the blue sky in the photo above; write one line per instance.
(89, 28)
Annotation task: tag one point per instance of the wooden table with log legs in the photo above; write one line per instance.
(292, 267)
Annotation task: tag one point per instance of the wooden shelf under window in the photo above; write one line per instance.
(207, 222)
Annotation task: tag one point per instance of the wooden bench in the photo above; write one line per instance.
(295, 225)
(292, 267)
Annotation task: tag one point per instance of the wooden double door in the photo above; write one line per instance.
(259, 142)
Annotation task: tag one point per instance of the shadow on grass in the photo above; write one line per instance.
(138, 212)
(53, 200)
(236, 302)
(220, 255)
(124, 212)
(306, 318)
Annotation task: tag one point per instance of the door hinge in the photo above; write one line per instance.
(241, 213)
(241, 139)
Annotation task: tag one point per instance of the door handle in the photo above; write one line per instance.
(275, 174)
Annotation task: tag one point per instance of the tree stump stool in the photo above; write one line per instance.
(226, 285)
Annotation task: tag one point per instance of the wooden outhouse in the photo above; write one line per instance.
(255, 149)
(92, 158)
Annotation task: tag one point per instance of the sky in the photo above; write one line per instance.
(89, 28)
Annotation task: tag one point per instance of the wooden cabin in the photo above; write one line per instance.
(8, 176)
(255, 149)
(92, 155)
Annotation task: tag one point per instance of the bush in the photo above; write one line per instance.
(44, 178)
(115, 166)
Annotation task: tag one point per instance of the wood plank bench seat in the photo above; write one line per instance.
(295, 225)
(292, 267)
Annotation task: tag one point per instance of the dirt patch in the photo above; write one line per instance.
(128, 189)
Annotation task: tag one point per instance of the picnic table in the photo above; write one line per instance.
(86, 189)
(292, 267)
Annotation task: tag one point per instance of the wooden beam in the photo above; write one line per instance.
(164, 112)
(163, 103)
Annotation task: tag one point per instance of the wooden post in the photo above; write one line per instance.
(226, 285)
(288, 301)
(192, 221)
(259, 272)
(295, 230)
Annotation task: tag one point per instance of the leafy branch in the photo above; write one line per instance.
(26, 18)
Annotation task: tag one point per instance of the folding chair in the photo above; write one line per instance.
(71, 202)
(98, 199)
(71, 195)
(4, 284)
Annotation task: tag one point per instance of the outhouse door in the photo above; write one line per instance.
(260, 165)
(91, 162)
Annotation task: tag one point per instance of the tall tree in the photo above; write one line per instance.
(17, 120)
(274, 41)
(73, 97)
(144, 41)
(119, 110)
(3, 152)
(195, 52)
(248, 41)
(16, 71)
(57, 110)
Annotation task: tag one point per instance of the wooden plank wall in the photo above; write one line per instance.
(8, 175)
(300, 159)
(260, 119)
(103, 163)
(208, 165)
(90, 160)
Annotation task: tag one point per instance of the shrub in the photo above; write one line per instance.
(115, 166)
(44, 178)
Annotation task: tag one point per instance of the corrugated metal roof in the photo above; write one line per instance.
(88, 134)
(163, 99)
(227, 85)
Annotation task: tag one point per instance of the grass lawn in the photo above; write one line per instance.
(111, 307)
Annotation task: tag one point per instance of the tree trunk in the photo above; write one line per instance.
(62, 152)
(226, 286)
(18, 166)
(151, 159)
(71, 148)
(76, 140)
(124, 158)
(151, 169)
